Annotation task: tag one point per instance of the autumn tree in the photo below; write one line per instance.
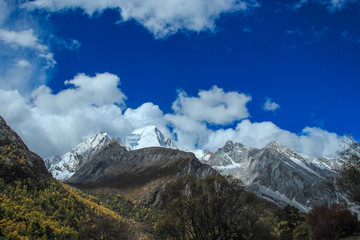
(209, 208)
(332, 222)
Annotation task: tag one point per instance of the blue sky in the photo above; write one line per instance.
(203, 71)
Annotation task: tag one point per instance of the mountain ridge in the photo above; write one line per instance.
(279, 174)
(275, 172)
(115, 167)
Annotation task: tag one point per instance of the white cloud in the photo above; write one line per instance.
(145, 115)
(190, 133)
(23, 63)
(54, 123)
(84, 92)
(25, 59)
(160, 17)
(269, 105)
(311, 141)
(25, 38)
(18, 74)
(213, 106)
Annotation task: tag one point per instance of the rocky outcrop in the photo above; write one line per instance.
(9, 136)
(278, 174)
(115, 167)
(16, 160)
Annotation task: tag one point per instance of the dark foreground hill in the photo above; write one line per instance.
(33, 205)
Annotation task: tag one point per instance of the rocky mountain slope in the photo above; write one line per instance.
(116, 167)
(63, 167)
(279, 174)
(16, 160)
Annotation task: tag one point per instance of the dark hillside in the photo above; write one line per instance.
(33, 205)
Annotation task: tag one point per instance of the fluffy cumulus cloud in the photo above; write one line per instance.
(192, 114)
(212, 106)
(84, 91)
(160, 17)
(311, 141)
(270, 105)
(192, 117)
(53, 123)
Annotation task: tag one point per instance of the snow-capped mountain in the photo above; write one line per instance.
(320, 161)
(115, 167)
(201, 155)
(63, 167)
(149, 136)
(279, 174)
(275, 172)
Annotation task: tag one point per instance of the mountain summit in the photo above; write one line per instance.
(63, 167)
(149, 136)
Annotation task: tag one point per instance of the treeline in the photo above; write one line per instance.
(218, 208)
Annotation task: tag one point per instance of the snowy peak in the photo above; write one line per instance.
(88, 145)
(149, 136)
(63, 167)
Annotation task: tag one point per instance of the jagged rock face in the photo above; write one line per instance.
(17, 161)
(63, 167)
(116, 167)
(278, 174)
(9, 136)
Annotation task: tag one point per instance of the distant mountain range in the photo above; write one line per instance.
(279, 174)
(275, 172)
